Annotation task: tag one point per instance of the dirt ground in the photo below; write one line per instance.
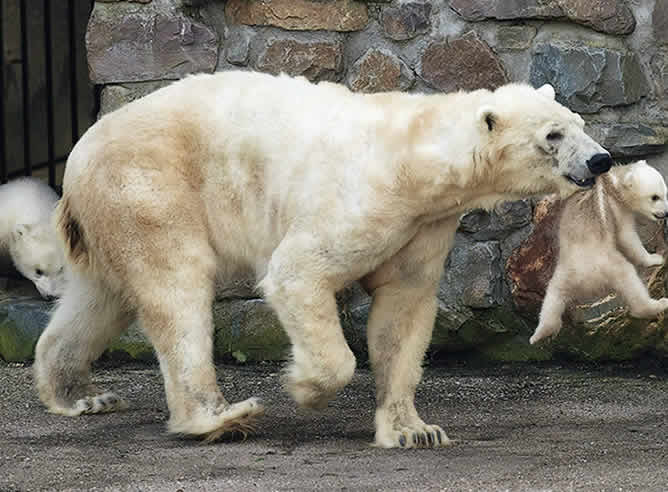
(518, 427)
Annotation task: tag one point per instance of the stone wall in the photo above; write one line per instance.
(607, 59)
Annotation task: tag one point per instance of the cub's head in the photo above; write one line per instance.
(37, 254)
(644, 190)
(539, 145)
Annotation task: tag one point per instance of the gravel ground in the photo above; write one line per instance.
(517, 427)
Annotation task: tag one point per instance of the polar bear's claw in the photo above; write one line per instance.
(427, 436)
(102, 403)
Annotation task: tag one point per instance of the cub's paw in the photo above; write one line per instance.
(654, 259)
(663, 304)
(418, 436)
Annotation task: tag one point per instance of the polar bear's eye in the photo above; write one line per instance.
(554, 136)
(655, 198)
(39, 272)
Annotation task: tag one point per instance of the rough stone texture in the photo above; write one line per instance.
(609, 16)
(318, 60)
(237, 45)
(660, 21)
(114, 96)
(630, 140)
(514, 38)
(507, 217)
(407, 20)
(21, 322)
(134, 43)
(473, 276)
(465, 63)
(379, 70)
(604, 77)
(300, 15)
(248, 329)
(530, 267)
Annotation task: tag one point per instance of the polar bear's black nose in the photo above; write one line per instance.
(599, 163)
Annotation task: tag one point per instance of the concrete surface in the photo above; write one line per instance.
(519, 427)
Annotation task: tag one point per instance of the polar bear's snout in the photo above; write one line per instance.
(599, 163)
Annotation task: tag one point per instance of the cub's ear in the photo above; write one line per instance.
(547, 90)
(627, 179)
(21, 230)
(487, 118)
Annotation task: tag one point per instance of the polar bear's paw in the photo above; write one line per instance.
(419, 436)
(101, 403)
(308, 393)
(238, 418)
(227, 420)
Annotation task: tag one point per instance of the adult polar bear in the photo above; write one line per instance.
(311, 186)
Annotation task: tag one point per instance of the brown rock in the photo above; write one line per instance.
(379, 70)
(530, 267)
(147, 44)
(464, 63)
(321, 60)
(609, 16)
(660, 21)
(406, 20)
(299, 15)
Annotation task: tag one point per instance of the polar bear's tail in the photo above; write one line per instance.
(71, 233)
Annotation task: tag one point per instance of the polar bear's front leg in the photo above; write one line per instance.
(298, 289)
(399, 331)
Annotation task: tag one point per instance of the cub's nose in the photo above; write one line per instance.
(599, 163)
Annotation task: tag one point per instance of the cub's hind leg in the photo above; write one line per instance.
(627, 283)
(86, 319)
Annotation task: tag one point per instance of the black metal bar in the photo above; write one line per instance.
(3, 158)
(25, 88)
(36, 167)
(49, 93)
(74, 104)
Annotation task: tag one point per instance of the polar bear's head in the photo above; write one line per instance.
(539, 145)
(644, 190)
(37, 254)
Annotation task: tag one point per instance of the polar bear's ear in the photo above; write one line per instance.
(547, 90)
(487, 117)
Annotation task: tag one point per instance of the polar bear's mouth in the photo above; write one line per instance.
(582, 183)
(660, 216)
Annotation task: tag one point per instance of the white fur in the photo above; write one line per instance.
(28, 236)
(599, 245)
(311, 187)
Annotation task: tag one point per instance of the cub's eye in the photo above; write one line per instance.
(555, 136)
(655, 198)
(39, 272)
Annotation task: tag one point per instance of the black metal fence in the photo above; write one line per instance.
(47, 100)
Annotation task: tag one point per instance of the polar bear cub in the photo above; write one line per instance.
(599, 245)
(28, 236)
